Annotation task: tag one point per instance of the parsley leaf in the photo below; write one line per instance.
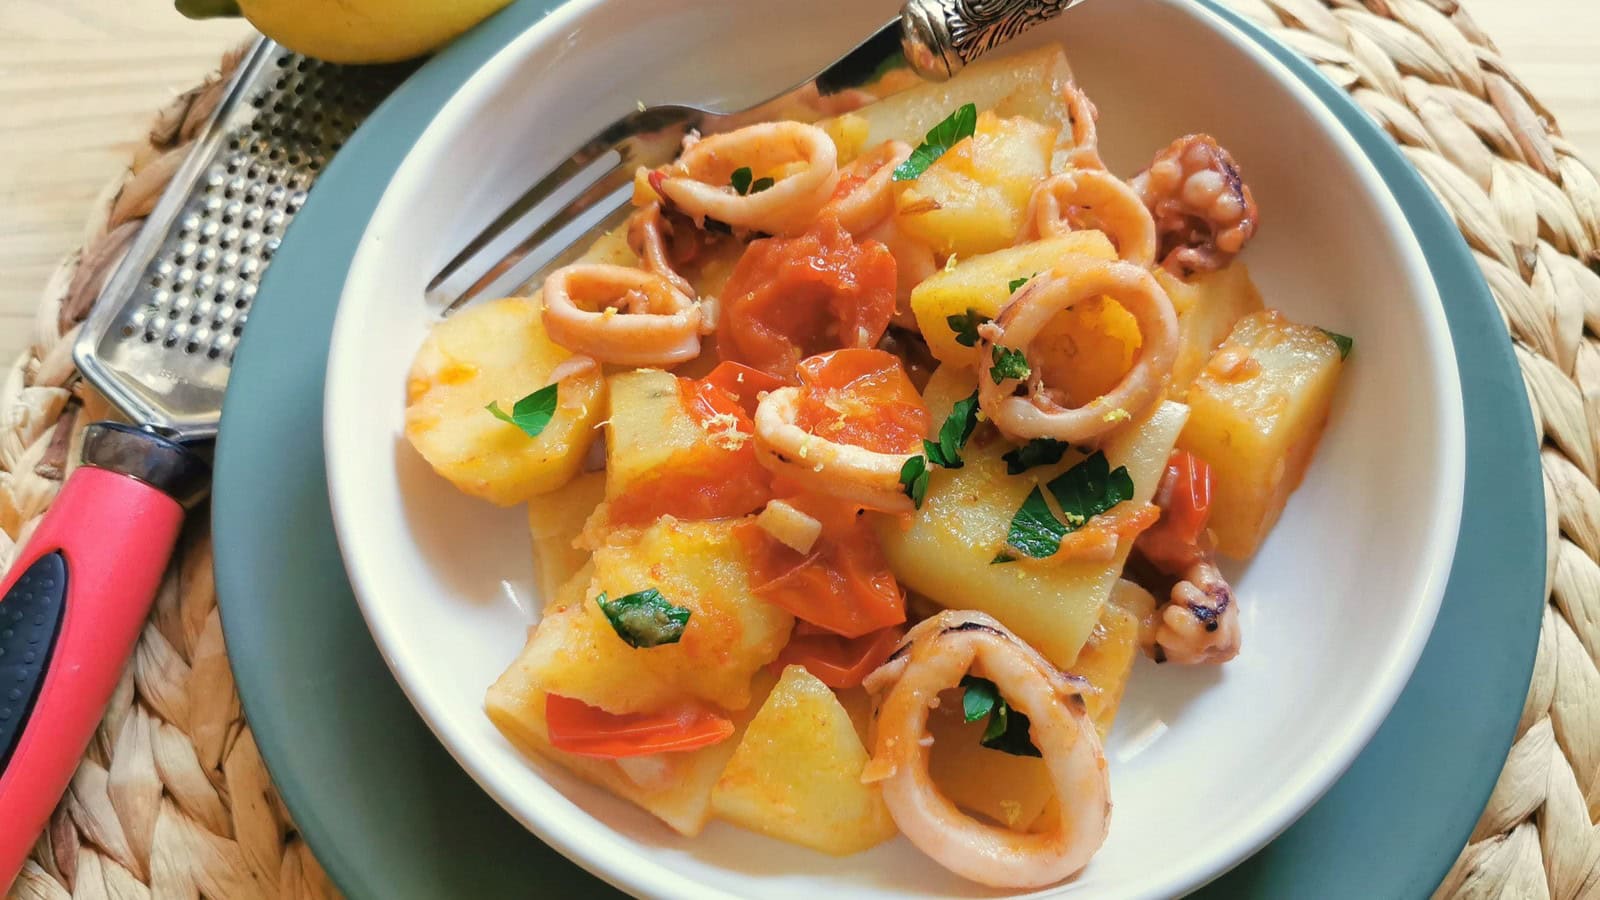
(1008, 730)
(645, 619)
(1008, 363)
(531, 414)
(1035, 531)
(1090, 488)
(1084, 491)
(953, 434)
(1346, 342)
(1019, 282)
(1037, 452)
(960, 125)
(946, 452)
(965, 325)
(914, 479)
(978, 697)
(743, 186)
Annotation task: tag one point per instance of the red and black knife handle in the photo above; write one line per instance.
(71, 610)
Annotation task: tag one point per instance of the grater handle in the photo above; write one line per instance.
(71, 609)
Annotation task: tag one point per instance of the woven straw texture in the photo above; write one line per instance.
(172, 799)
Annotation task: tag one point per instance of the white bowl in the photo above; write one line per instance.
(1207, 764)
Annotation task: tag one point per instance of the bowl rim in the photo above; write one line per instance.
(585, 840)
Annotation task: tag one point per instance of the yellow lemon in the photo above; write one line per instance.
(356, 31)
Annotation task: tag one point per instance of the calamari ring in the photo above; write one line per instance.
(1082, 116)
(1094, 198)
(852, 473)
(936, 653)
(868, 185)
(698, 184)
(1039, 414)
(637, 318)
(647, 230)
(914, 263)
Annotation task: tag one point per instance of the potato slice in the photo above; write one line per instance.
(944, 550)
(648, 426)
(1259, 409)
(1087, 350)
(675, 787)
(1008, 790)
(555, 520)
(981, 284)
(972, 199)
(497, 352)
(1208, 306)
(660, 461)
(701, 566)
(1021, 84)
(796, 774)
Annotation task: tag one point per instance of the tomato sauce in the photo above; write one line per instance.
(789, 298)
(842, 586)
(864, 398)
(717, 479)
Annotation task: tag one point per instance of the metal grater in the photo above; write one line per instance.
(160, 341)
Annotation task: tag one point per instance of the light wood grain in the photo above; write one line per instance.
(79, 80)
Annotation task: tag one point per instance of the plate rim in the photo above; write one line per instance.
(412, 101)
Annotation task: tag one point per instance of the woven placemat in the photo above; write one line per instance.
(172, 799)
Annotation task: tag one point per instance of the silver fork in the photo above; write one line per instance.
(588, 192)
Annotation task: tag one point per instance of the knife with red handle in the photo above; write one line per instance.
(71, 609)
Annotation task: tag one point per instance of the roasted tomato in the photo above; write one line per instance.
(861, 397)
(843, 585)
(789, 298)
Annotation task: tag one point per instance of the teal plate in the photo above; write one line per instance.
(392, 816)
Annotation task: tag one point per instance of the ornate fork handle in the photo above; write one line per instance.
(942, 36)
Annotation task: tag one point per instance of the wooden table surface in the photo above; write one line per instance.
(79, 80)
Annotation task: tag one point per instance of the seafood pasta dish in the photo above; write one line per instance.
(862, 462)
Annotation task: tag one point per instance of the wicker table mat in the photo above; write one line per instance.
(172, 798)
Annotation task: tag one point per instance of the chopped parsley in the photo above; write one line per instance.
(1037, 452)
(1008, 363)
(742, 184)
(645, 619)
(1346, 342)
(965, 325)
(960, 125)
(1035, 531)
(531, 414)
(945, 452)
(1017, 283)
(1082, 492)
(914, 479)
(978, 697)
(1008, 729)
(953, 434)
